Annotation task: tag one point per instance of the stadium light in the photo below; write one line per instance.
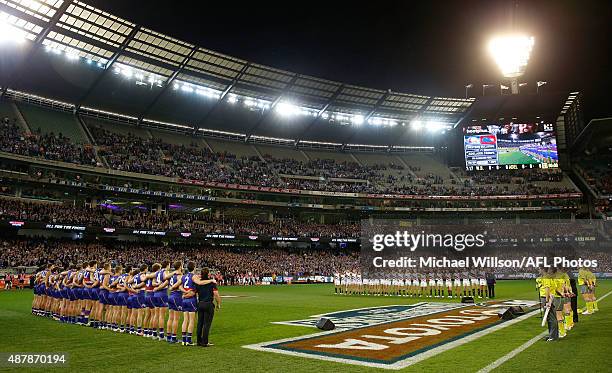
(511, 53)
(72, 56)
(357, 119)
(416, 124)
(433, 126)
(9, 33)
(286, 109)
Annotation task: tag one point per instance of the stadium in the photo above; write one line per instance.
(164, 205)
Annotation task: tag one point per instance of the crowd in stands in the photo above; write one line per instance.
(137, 218)
(241, 265)
(233, 263)
(598, 173)
(157, 157)
(55, 147)
(47, 212)
(522, 176)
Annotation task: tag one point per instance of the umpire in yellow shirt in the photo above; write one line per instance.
(547, 299)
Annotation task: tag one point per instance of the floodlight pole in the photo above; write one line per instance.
(224, 94)
(107, 67)
(514, 85)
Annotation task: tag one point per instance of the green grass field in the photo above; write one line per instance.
(247, 320)
(515, 157)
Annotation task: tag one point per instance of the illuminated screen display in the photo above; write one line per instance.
(510, 146)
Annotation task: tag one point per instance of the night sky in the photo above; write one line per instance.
(424, 47)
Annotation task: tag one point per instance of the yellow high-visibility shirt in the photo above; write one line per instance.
(582, 276)
(540, 286)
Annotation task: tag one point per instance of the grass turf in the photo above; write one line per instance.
(246, 320)
(515, 157)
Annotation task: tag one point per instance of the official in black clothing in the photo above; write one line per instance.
(208, 300)
(574, 299)
(490, 277)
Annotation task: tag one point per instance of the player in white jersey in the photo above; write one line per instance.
(416, 284)
(473, 284)
(482, 282)
(457, 285)
(439, 286)
(465, 284)
(431, 285)
(448, 282)
(337, 283)
(423, 287)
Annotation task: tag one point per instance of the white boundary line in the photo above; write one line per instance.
(520, 348)
(397, 365)
(512, 353)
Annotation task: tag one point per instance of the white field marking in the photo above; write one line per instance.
(293, 322)
(512, 353)
(397, 365)
(235, 296)
(520, 348)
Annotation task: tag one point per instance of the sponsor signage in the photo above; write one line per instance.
(397, 336)
(65, 227)
(225, 236)
(284, 238)
(149, 233)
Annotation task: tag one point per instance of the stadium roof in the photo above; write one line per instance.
(83, 33)
(596, 137)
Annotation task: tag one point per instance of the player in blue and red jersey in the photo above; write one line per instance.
(175, 301)
(189, 305)
(160, 299)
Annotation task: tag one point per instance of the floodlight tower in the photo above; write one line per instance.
(511, 52)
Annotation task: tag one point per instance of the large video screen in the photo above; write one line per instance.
(510, 146)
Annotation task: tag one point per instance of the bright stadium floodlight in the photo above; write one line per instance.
(9, 33)
(357, 119)
(286, 109)
(416, 124)
(511, 54)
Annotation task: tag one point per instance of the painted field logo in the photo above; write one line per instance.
(394, 337)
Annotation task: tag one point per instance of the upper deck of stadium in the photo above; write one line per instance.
(116, 67)
(94, 63)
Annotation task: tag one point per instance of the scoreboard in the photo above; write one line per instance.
(480, 150)
(510, 146)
